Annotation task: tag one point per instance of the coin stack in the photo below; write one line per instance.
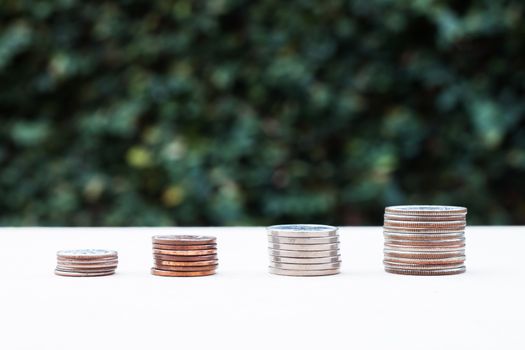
(303, 250)
(86, 262)
(424, 240)
(184, 256)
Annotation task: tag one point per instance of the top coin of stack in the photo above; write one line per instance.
(184, 256)
(303, 250)
(86, 262)
(424, 239)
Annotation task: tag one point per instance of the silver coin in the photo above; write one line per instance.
(302, 231)
(305, 261)
(410, 242)
(299, 273)
(306, 267)
(424, 230)
(310, 240)
(433, 218)
(434, 261)
(304, 247)
(304, 254)
(86, 253)
(424, 249)
(423, 210)
(401, 271)
(83, 274)
(421, 267)
(424, 224)
(422, 236)
(423, 255)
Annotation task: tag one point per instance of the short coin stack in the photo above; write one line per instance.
(303, 250)
(424, 240)
(184, 256)
(86, 262)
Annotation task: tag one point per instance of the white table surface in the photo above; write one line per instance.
(244, 307)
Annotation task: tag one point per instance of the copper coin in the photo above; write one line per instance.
(165, 273)
(425, 210)
(184, 247)
(425, 218)
(441, 261)
(87, 254)
(421, 224)
(185, 252)
(186, 268)
(185, 258)
(83, 274)
(184, 239)
(185, 263)
(441, 272)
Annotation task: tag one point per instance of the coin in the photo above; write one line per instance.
(426, 218)
(413, 261)
(186, 268)
(444, 271)
(413, 247)
(86, 267)
(423, 255)
(87, 254)
(300, 273)
(166, 273)
(185, 258)
(83, 274)
(81, 263)
(424, 210)
(421, 224)
(423, 236)
(425, 249)
(430, 243)
(305, 261)
(329, 266)
(184, 247)
(186, 263)
(304, 254)
(185, 252)
(83, 270)
(183, 239)
(304, 247)
(421, 267)
(423, 230)
(302, 231)
(291, 240)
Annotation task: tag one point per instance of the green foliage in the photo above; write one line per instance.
(233, 112)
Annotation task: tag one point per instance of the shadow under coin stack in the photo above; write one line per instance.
(424, 240)
(303, 250)
(86, 262)
(184, 256)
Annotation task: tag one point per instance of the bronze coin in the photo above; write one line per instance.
(184, 247)
(185, 268)
(159, 262)
(185, 258)
(184, 239)
(185, 252)
(83, 274)
(165, 273)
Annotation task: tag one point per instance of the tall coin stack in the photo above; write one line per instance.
(86, 262)
(303, 250)
(184, 256)
(424, 240)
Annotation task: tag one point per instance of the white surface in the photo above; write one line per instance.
(244, 307)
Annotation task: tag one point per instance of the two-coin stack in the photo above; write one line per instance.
(184, 256)
(303, 250)
(424, 240)
(86, 262)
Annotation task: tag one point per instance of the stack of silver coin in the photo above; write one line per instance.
(86, 262)
(424, 240)
(304, 250)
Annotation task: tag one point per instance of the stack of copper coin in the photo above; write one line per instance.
(424, 240)
(184, 256)
(303, 250)
(86, 262)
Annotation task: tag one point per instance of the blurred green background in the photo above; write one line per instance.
(230, 112)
